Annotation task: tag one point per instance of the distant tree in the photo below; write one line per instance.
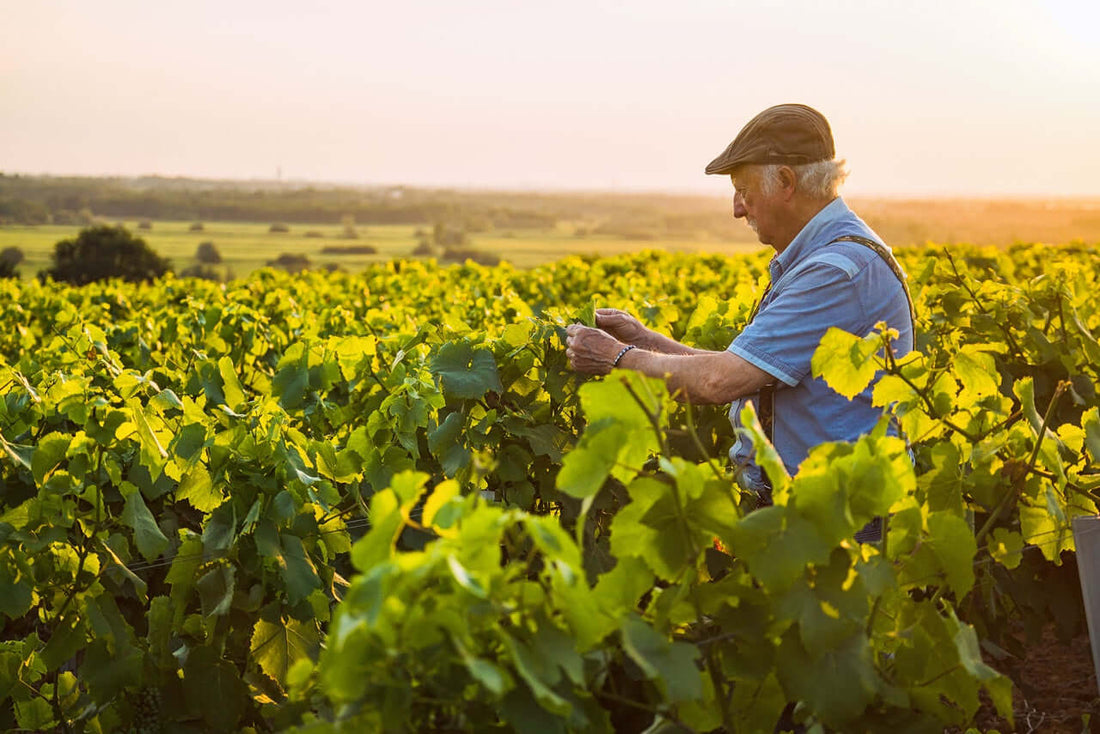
(104, 252)
(290, 262)
(11, 256)
(196, 227)
(448, 236)
(207, 272)
(462, 254)
(18, 211)
(349, 250)
(66, 217)
(278, 228)
(145, 224)
(424, 248)
(208, 254)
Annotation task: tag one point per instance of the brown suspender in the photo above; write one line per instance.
(766, 400)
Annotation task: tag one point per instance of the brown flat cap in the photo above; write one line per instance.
(787, 133)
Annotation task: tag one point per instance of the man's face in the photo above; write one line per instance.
(750, 202)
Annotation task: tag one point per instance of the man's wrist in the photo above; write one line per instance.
(622, 353)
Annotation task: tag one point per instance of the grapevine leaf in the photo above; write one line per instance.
(213, 689)
(16, 594)
(465, 372)
(189, 441)
(523, 710)
(544, 440)
(181, 574)
(150, 444)
(977, 371)
(538, 674)
(495, 679)
(671, 664)
(445, 443)
(160, 631)
(386, 524)
(292, 377)
(48, 454)
(297, 570)
(845, 361)
(464, 579)
(777, 543)
(278, 646)
(1090, 421)
(34, 715)
(1044, 531)
(108, 669)
(21, 455)
(767, 458)
(1006, 547)
(68, 637)
(197, 489)
(221, 527)
(139, 585)
(148, 537)
(619, 590)
(231, 386)
(586, 467)
(837, 685)
(647, 529)
(944, 483)
(953, 544)
(558, 648)
(216, 588)
(443, 493)
(998, 686)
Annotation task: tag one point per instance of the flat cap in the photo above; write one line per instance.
(787, 133)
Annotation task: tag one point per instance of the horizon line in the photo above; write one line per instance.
(546, 189)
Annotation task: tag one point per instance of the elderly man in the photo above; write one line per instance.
(830, 269)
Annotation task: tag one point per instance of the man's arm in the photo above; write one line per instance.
(627, 329)
(699, 377)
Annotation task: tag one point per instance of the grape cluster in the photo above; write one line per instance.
(146, 712)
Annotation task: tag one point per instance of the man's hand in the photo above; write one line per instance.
(621, 325)
(590, 351)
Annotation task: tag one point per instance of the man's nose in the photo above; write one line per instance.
(739, 210)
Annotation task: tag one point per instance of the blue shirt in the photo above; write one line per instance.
(816, 285)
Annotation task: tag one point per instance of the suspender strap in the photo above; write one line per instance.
(766, 400)
(888, 258)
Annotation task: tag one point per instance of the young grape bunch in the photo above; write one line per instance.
(146, 706)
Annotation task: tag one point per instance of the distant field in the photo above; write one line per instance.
(635, 225)
(245, 247)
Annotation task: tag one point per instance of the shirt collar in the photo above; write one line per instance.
(802, 243)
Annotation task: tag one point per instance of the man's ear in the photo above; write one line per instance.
(787, 182)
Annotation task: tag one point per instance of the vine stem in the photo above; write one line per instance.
(988, 525)
(652, 416)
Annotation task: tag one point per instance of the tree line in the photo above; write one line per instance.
(35, 200)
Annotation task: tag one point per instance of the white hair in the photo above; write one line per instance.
(819, 180)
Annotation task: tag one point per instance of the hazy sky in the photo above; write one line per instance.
(925, 97)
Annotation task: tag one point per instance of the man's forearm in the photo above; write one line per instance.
(699, 377)
(656, 342)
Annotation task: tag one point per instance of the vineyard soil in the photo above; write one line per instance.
(1054, 688)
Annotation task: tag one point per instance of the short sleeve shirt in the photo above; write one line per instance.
(816, 284)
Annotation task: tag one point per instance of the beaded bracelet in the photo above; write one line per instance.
(624, 351)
